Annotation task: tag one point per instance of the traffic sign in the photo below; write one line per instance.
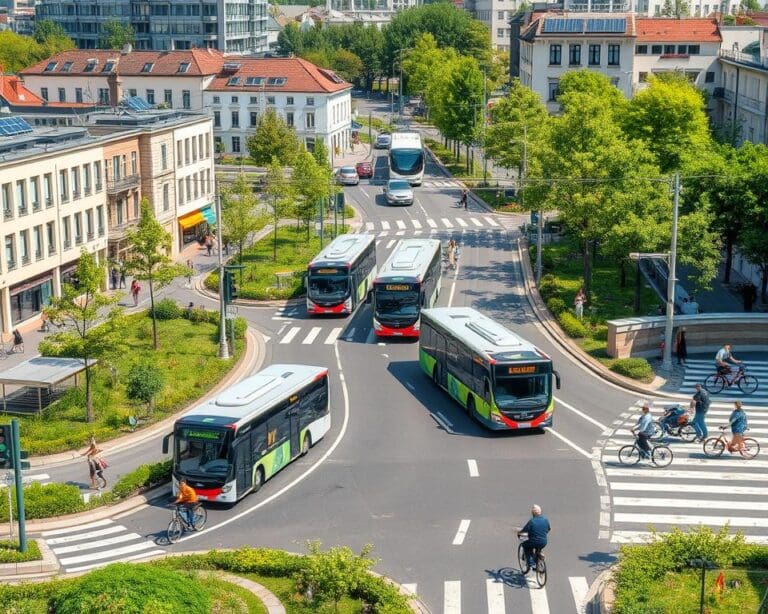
(231, 312)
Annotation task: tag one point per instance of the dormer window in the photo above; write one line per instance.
(51, 66)
(254, 80)
(66, 67)
(234, 81)
(148, 67)
(90, 65)
(276, 81)
(183, 67)
(108, 66)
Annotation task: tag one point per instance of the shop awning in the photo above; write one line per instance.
(209, 214)
(191, 219)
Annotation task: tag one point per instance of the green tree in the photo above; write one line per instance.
(273, 138)
(595, 84)
(18, 52)
(320, 154)
(116, 34)
(676, 8)
(347, 64)
(143, 384)
(95, 325)
(289, 40)
(279, 199)
(750, 5)
(46, 29)
(367, 43)
(465, 103)
(150, 245)
(312, 186)
(240, 214)
(753, 241)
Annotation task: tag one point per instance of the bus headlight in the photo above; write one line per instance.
(376, 325)
(496, 418)
(226, 488)
(348, 304)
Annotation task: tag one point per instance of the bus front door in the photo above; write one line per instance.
(244, 467)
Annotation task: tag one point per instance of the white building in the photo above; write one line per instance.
(649, 8)
(495, 14)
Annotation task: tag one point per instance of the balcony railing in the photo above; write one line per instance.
(49, 202)
(115, 186)
(51, 250)
(36, 206)
(118, 231)
(67, 243)
(87, 191)
(745, 58)
(78, 240)
(11, 265)
(25, 260)
(23, 211)
(7, 214)
(99, 185)
(75, 194)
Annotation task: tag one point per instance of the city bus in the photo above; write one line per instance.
(229, 446)
(495, 375)
(341, 275)
(407, 282)
(406, 157)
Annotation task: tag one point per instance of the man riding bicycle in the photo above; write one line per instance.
(723, 357)
(536, 528)
(672, 416)
(187, 499)
(644, 430)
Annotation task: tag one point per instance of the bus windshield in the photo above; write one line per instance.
(202, 452)
(401, 304)
(521, 392)
(406, 161)
(328, 287)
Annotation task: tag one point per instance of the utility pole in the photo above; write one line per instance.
(370, 122)
(485, 127)
(672, 265)
(223, 349)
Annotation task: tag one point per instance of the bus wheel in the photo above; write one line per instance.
(471, 405)
(259, 481)
(307, 444)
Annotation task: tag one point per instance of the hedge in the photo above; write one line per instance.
(556, 305)
(571, 325)
(9, 552)
(636, 368)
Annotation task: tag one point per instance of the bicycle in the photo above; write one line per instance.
(179, 523)
(715, 446)
(540, 565)
(717, 381)
(661, 455)
(684, 430)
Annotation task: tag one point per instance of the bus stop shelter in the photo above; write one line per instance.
(33, 385)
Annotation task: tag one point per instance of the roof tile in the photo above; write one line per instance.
(300, 75)
(677, 30)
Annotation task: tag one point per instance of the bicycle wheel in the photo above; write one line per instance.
(658, 431)
(174, 530)
(751, 448)
(714, 383)
(522, 560)
(629, 455)
(199, 518)
(661, 456)
(541, 572)
(748, 384)
(687, 433)
(714, 446)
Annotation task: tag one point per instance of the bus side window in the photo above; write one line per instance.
(259, 441)
(271, 437)
(487, 390)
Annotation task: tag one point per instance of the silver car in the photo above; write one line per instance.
(347, 175)
(398, 192)
(383, 141)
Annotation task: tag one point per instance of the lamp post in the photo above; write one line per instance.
(223, 349)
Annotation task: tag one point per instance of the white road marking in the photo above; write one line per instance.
(124, 559)
(579, 588)
(446, 222)
(282, 328)
(311, 335)
(400, 224)
(539, 602)
(333, 335)
(390, 243)
(711, 504)
(369, 225)
(290, 334)
(107, 554)
(452, 597)
(385, 225)
(674, 474)
(383, 233)
(69, 539)
(565, 440)
(461, 533)
(450, 296)
(443, 422)
(364, 193)
(472, 464)
(476, 222)
(90, 545)
(461, 222)
(416, 224)
(491, 221)
(400, 233)
(90, 525)
(431, 223)
(495, 592)
(409, 588)
(639, 537)
(712, 489)
(686, 519)
(39, 477)
(581, 414)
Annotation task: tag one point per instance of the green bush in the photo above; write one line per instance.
(556, 305)
(45, 501)
(382, 597)
(262, 561)
(571, 325)
(166, 309)
(548, 287)
(9, 552)
(636, 368)
(133, 589)
(143, 476)
(241, 325)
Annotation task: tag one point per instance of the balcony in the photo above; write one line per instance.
(51, 250)
(11, 265)
(48, 202)
(7, 214)
(119, 231)
(75, 195)
(123, 184)
(38, 255)
(25, 260)
(23, 211)
(744, 58)
(67, 243)
(98, 186)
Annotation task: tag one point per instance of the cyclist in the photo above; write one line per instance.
(672, 415)
(644, 430)
(187, 499)
(723, 357)
(738, 424)
(536, 528)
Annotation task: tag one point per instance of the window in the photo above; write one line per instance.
(553, 90)
(289, 118)
(150, 96)
(7, 200)
(37, 239)
(10, 252)
(289, 100)
(270, 100)
(499, 32)
(310, 101)
(64, 186)
(108, 66)
(254, 100)
(34, 193)
(641, 49)
(48, 189)
(194, 149)
(207, 141)
(87, 178)
(614, 55)
(254, 118)
(67, 66)
(594, 55)
(208, 180)
(186, 151)
(694, 49)
(642, 77)
(62, 95)
(200, 145)
(235, 119)
(103, 95)
(132, 93)
(555, 52)
(656, 49)
(180, 192)
(196, 184)
(66, 224)
(183, 67)
(44, 93)
(100, 219)
(501, 14)
(310, 123)
(574, 55)
(136, 205)
(188, 181)
(89, 223)
(75, 174)
(134, 165)
(97, 175)
(709, 77)
(78, 94)
(50, 66)
(78, 227)
(21, 196)
(217, 119)
(166, 197)
(148, 67)
(669, 50)
(178, 153)
(236, 144)
(50, 234)
(168, 97)
(115, 167)
(217, 100)
(186, 99)
(164, 156)
(24, 245)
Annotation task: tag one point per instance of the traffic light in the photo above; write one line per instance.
(230, 289)
(6, 451)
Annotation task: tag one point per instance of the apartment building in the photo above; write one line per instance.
(123, 188)
(233, 26)
(495, 14)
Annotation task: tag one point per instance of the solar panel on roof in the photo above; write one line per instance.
(135, 103)
(562, 25)
(606, 25)
(11, 126)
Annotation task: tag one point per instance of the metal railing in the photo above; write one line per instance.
(121, 184)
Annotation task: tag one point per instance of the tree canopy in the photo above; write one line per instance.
(18, 52)
(272, 138)
(116, 34)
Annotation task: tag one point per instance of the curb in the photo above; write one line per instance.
(267, 597)
(248, 362)
(45, 567)
(478, 201)
(554, 330)
(599, 597)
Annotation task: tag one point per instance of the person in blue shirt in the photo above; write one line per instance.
(537, 529)
(644, 430)
(672, 415)
(738, 422)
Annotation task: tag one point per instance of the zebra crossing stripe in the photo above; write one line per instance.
(82, 527)
(686, 519)
(475, 221)
(452, 597)
(369, 225)
(710, 489)
(290, 334)
(446, 222)
(709, 504)
(391, 243)
(685, 475)
(68, 539)
(539, 601)
(400, 224)
(107, 554)
(431, 223)
(495, 592)
(416, 224)
(333, 335)
(638, 537)
(400, 233)
(462, 222)
(90, 545)
(383, 233)
(385, 225)
(311, 335)
(491, 221)
(124, 559)
(579, 589)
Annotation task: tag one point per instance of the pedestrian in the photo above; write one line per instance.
(91, 454)
(135, 289)
(114, 276)
(738, 423)
(681, 346)
(452, 254)
(749, 294)
(190, 272)
(578, 303)
(18, 341)
(209, 245)
(122, 277)
(700, 405)
(464, 198)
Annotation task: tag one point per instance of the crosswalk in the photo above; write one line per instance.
(441, 183)
(306, 335)
(697, 370)
(414, 226)
(694, 490)
(97, 544)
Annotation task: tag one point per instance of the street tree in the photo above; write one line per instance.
(368, 44)
(312, 186)
(424, 64)
(240, 214)
(698, 246)
(753, 242)
(95, 325)
(150, 245)
(676, 8)
(47, 29)
(116, 34)
(280, 194)
(321, 154)
(273, 137)
(347, 64)
(576, 82)
(143, 383)
(465, 103)
(750, 5)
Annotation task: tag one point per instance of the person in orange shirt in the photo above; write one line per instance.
(187, 498)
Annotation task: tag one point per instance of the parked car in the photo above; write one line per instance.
(383, 141)
(398, 192)
(347, 175)
(364, 170)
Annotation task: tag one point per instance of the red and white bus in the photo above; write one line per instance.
(340, 276)
(408, 281)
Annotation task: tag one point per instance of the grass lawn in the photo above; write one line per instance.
(284, 589)
(187, 359)
(294, 252)
(230, 598)
(9, 552)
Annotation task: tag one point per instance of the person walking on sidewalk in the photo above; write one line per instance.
(135, 289)
(190, 273)
(464, 198)
(700, 404)
(578, 303)
(209, 245)
(122, 276)
(114, 276)
(681, 346)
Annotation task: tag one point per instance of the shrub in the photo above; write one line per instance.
(381, 596)
(636, 368)
(144, 381)
(133, 589)
(241, 325)
(166, 309)
(262, 561)
(144, 476)
(45, 501)
(144, 331)
(571, 325)
(548, 287)
(556, 305)
(9, 552)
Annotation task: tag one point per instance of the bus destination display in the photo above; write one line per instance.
(198, 434)
(326, 271)
(505, 370)
(397, 287)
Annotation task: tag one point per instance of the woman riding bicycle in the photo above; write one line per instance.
(738, 423)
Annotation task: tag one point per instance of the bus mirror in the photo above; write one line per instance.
(165, 442)
(557, 379)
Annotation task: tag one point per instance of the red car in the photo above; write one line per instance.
(364, 170)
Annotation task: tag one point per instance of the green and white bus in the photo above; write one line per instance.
(230, 445)
(497, 376)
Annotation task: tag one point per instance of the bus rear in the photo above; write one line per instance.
(406, 157)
